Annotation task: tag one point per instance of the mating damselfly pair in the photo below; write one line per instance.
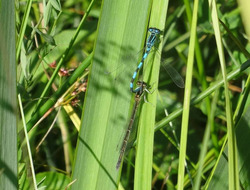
(142, 86)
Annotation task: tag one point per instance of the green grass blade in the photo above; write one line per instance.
(108, 100)
(242, 101)
(144, 153)
(8, 104)
(28, 144)
(187, 97)
(236, 41)
(232, 149)
(198, 55)
(23, 28)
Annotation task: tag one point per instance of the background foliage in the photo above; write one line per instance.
(74, 63)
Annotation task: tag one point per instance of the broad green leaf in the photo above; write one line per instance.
(8, 103)
(108, 100)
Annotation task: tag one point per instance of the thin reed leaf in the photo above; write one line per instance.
(187, 98)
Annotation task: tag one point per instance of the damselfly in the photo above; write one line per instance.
(142, 87)
(154, 32)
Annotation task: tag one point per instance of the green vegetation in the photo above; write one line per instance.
(74, 61)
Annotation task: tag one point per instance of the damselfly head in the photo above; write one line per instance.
(141, 83)
(154, 30)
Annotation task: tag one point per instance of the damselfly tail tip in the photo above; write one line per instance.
(118, 165)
